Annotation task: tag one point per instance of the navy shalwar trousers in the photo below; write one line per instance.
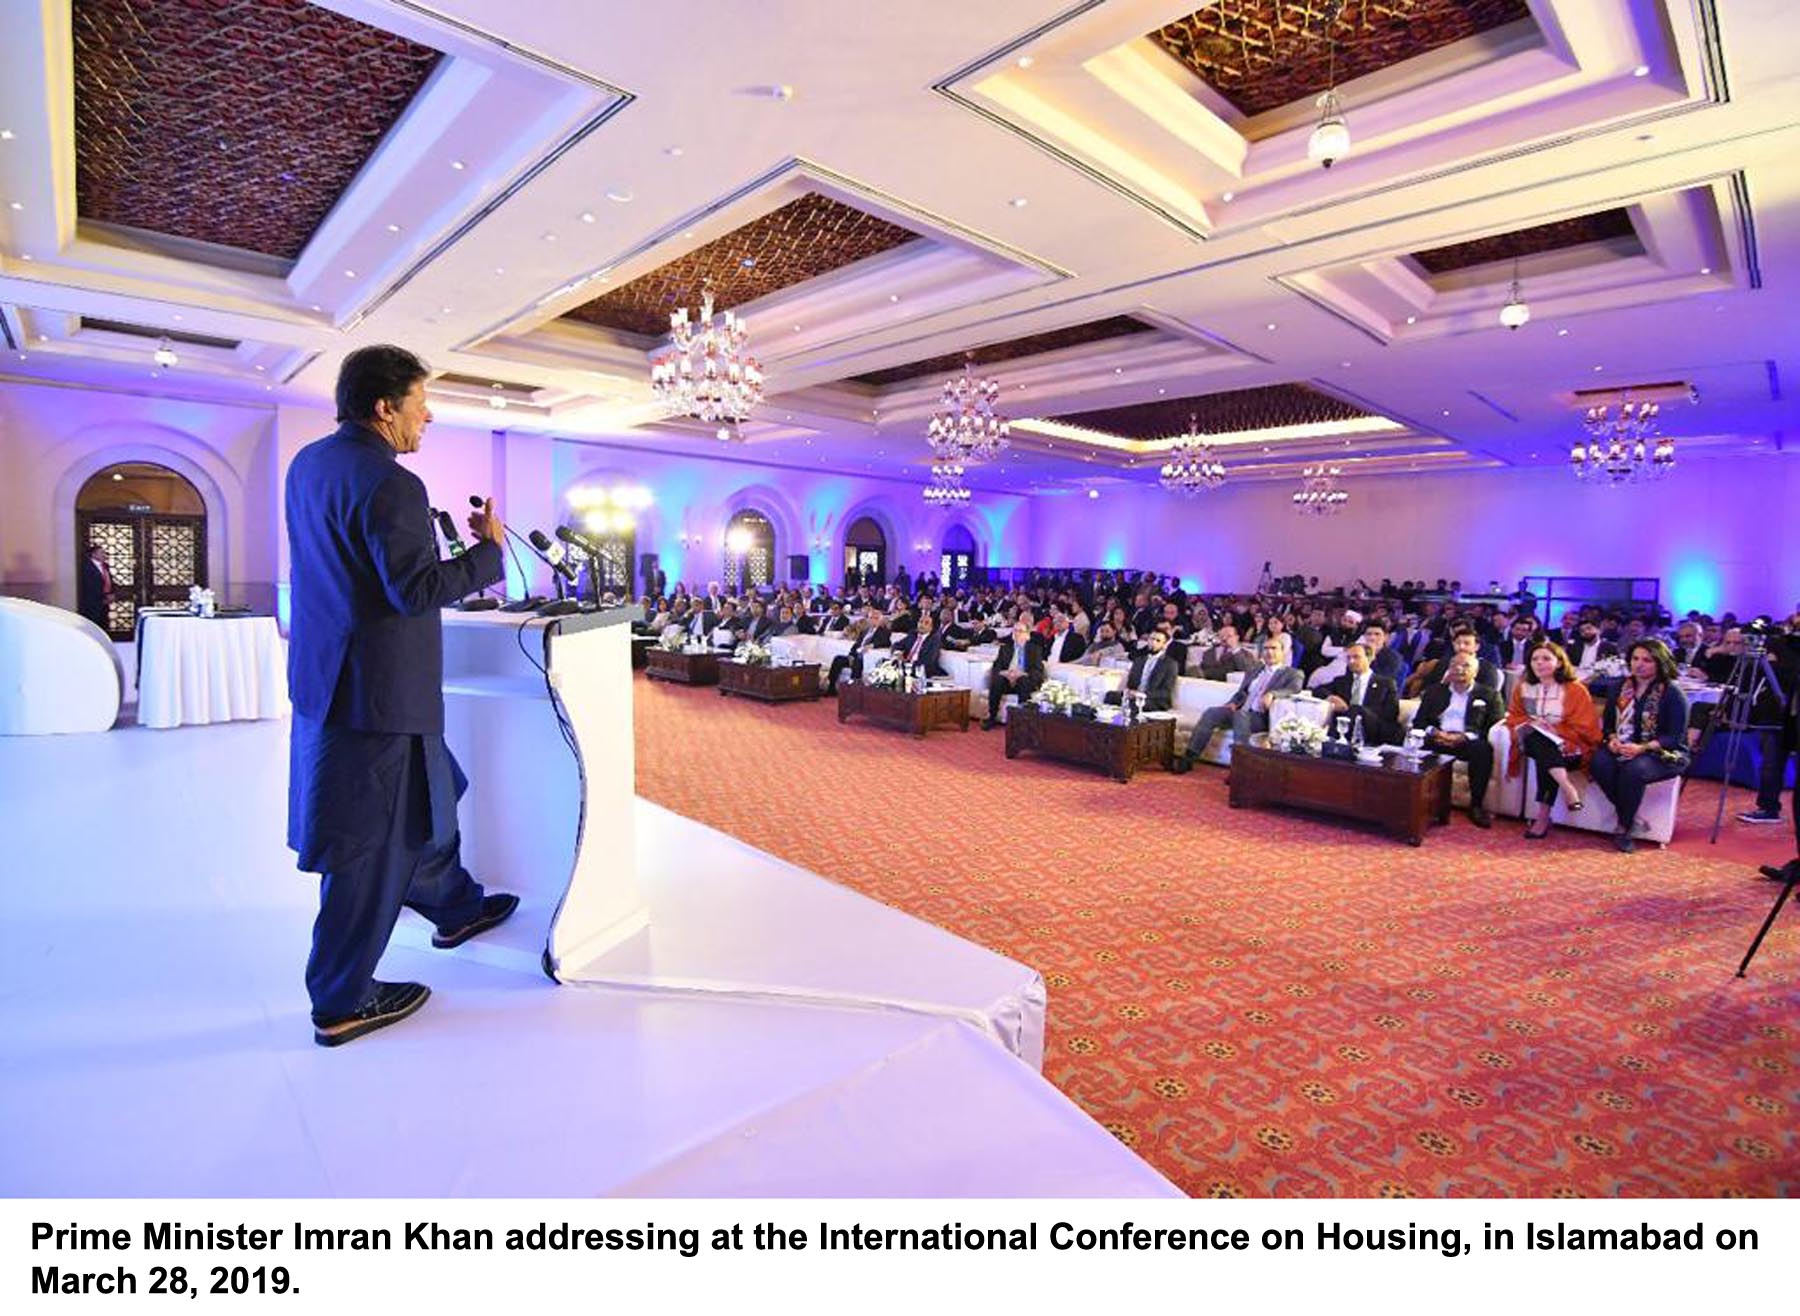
(374, 813)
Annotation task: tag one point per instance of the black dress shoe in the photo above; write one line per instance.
(1181, 766)
(389, 1003)
(1623, 843)
(495, 910)
(988, 724)
(1480, 816)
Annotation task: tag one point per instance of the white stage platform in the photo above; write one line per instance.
(156, 1039)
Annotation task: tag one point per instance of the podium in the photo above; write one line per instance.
(538, 711)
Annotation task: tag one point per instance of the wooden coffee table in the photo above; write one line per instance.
(684, 668)
(917, 713)
(1398, 799)
(1118, 748)
(769, 682)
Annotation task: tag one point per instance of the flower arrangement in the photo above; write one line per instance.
(200, 602)
(1296, 735)
(1613, 666)
(672, 640)
(1059, 695)
(887, 674)
(752, 654)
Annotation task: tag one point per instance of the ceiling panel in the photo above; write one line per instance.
(233, 122)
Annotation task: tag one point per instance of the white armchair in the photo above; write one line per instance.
(1514, 797)
(59, 673)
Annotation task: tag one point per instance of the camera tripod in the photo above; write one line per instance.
(1751, 678)
(1789, 877)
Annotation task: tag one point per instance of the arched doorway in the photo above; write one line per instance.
(152, 524)
(957, 560)
(865, 553)
(749, 551)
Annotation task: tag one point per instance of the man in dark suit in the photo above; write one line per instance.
(923, 647)
(94, 591)
(1456, 715)
(372, 789)
(1152, 675)
(1384, 659)
(1372, 700)
(1226, 657)
(761, 625)
(701, 621)
(874, 635)
(1247, 711)
(1520, 636)
(1018, 670)
(835, 620)
(1438, 672)
(1588, 647)
(1066, 644)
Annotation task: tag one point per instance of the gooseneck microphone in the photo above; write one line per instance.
(554, 555)
(447, 528)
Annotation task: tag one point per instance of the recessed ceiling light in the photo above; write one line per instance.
(1562, 333)
(443, 310)
(587, 217)
(781, 92)
(15, 205)
(458, 164)
(1020, 202)
(1412, 319)
(1026, 61)
(1118, 370)
(1093, 493)
(796, 328)
(26, 256)
(619, 194)
(1641, 71)
(1228, 196)
(549, 237)
(6, 134)
(1347, 442)
(673, 152)
(1161, 391)
(262, 367)
(499, 269)
(1598, 369)
(393, 228)
(1706, 269)
(1270, 326)
(1344, 365)
(317, 307)
(175, 317)
(893, 296)
(349, 274)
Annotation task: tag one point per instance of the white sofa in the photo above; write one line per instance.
(59, 673)
(1515, 797)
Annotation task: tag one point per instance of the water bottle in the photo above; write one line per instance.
(1356, 733)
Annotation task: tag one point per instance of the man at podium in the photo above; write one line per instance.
(372, 788)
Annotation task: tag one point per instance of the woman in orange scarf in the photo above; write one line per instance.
(1555, 725)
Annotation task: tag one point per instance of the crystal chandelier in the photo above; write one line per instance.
(966, 427)
(1319, 493)
(1515, 314)
(1192, 468)
(1622, 446)
(707, 373)
(946, 488)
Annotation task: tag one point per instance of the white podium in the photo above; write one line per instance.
(538, 711)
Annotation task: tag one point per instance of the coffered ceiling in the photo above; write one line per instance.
(1263, 54)
(232, 122)
(1110, 203)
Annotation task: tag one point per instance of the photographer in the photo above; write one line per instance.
(1775, 711)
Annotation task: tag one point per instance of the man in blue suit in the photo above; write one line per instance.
(372, 789)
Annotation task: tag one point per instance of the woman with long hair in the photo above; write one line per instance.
(1554, 724)
(1645, 732)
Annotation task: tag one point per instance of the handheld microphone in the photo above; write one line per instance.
(452, 540)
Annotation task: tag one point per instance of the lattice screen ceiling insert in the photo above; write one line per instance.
(232, 122)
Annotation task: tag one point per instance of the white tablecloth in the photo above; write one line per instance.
(194, 670)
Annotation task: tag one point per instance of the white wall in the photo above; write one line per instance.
(1719, 534)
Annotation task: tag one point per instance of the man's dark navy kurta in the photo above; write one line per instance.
(372, 789)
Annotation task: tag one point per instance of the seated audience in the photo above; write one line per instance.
(1226, 656)
(1645, 735)
(1152, 675)
(1519, 642)
(1018, 670)
(873, 634)
(1456, 714)
(1589, 647)
(1247, 711)
(1370, 699)
(923, 647)
(1555, 725)
(1106, 647)
(1437, 671)
(1066, 645)
(1384, 659)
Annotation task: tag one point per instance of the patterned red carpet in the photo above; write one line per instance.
(1261, 1003)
